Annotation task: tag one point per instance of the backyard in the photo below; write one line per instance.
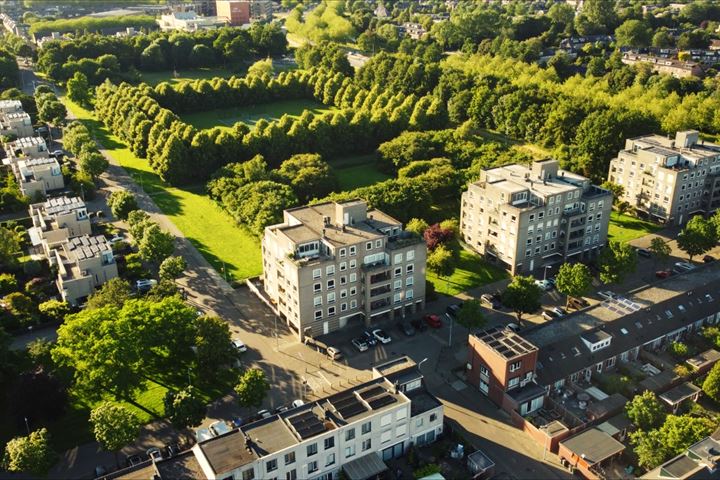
(227, 117)
(624, 228)
(224, 243)
(471, 271)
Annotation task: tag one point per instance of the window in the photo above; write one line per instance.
(289, 458)
(343, 252)
(386, 420)
(401, 414)
(353, 250)
(312, 466)
(248, 474)
(385, 436)
(343, 293)
(366, 445)
(401, 430)
(330, 270)
(331, 297)
(331, 311)
(350, 451)
(353, 291)
(318, 314)
(343, 307)
(378, 243)
(410, 268)
(513, 382)
(317, 273)
(410, 255)
(291, 475)
(397, 284)
(368, 246)
(419, 422)
(343, 266)
(343, 280)
(317, 301)
(353, 277)
(433, 417)
(409, 281)
(353, 303)
(329, 443)
(397, 297)
(515, 366)
(271, 465)
(330, 460)
(398, 271)
(398, 258)
(331, 284)
(350, 435)
(409, 293)
(353, 263)
(317, 287)
(366, 428)
(312, 449)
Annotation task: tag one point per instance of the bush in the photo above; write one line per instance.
(679, 350)
(36, 287)
(54, 310)
(32, 267)
(8, 283)
(427, 470)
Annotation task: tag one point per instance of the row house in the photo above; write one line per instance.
(57, 220)
(84, 263)
(37, 177)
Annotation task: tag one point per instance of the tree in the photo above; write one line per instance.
(115, 292)
(37, 396)
(633, 33)
(156, 245)
(616, 260)
(121, 203)
(114, 426)
(649, 448)
(93, 163)
(185, 408)
(416, 226)
(617, 190)
(522, 295)
(441, 262)
(262, 68)
(471, 315)
(54, 310)
(309, 176)
(213, 343)
(711, 385)
(251, 388)
(573, 280)
(8, 283)
(698, 236)
(31, 454)
(78, 89)
(645, 411)
(435, 235)
(660, 250)
(52, 112)
(9, 246)
(172, 268)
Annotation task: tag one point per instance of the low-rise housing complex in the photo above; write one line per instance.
(331, 264)
(528, 217)
(16, 124)
(188, 21)
(84, 263)
(57, 220)
(672, 66)
(38, 176)
(26, 147)
(669, 179)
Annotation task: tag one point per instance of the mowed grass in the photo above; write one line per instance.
(225, 244)
(471, 271)
(624, 228)
(358, 171)
(227, 117)
(153, 78)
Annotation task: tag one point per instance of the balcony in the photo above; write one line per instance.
(378, 304)
(577, 223)
(380, 277)
(381, 264)
(379, 291)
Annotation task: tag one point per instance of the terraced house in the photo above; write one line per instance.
(333, 263)
(528, 217)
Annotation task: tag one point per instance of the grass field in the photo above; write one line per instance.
(223, 242)
(624, 228)
(471, 271)
(227, 117)
(358, 171)
(153, 78)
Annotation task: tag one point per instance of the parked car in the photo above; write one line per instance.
(454, 309)
(264, 414)
(514, 327)
(682, 267)
(418, 324)
(381, 335)
(549, 315)
(663, 273)
(202, 434)
(237, 422)
(490, 300)
(607, 294)
(334, 353)
(577, 303)
(297, 403)
(708, 259)
(154, 454)
(145, 284)
(219, 428)
(433, 320)
(560, 311)
(643, 252)
(239, 346)
(406, 328)
(280, 409)
(59, 154)
(360, 344)
(116, 239)
(369, 338)
(544, 285)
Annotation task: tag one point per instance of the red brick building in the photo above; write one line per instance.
(235, 12)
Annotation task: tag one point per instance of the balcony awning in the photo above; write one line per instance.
(365, 467)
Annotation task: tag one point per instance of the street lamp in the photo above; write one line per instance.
(421, 362)
(451, 328)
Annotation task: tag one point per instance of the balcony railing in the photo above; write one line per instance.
(379, 291)
(380, 277)
(379, 304)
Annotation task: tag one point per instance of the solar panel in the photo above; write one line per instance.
(307, 424)
(371, 392)
(382, 401)
(351, 410)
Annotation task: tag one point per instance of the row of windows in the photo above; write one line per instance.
(330, 269)
(317, 287)
(332, 311)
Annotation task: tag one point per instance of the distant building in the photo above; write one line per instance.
(699, 461)
(84, 263)
(57, 220)
(669, 179)
(234, 12)
(26, 147)
(11, 106)
(188, 22)
(261, 10)
(16, 124)
(413, 30)
(670, 66)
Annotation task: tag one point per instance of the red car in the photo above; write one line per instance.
(662, 274)
(433, 320)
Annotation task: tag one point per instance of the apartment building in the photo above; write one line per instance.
(84, 263)
(38, 176)
(261, 10)
(333, 263)
(671, 66)
(188, 22)
(16, 124)
(57, 220)
(669, 179)
(11, 106)
(528, 217)
(502, 366)
(235, 12)
(26, 147)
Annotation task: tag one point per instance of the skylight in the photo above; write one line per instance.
(624, 331)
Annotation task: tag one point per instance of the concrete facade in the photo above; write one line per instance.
(669, 179)
(526, 218)
(57, 220)
(38, 176)
(84, 263)
(17, 124)
(28, 147)
(332, 263)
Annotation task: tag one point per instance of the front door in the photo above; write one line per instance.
(326, 328)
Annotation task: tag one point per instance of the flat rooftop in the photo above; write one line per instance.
(60, 205)
(36, 162)
(517, 178)
(227, 452)
(25, 142)
(88, 247)
(505, 342)
(184, 465)
(593, 445)
(680, 393)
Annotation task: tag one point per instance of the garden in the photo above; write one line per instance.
(624, 228)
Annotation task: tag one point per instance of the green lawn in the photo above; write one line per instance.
(471, 271)
(227, 117)
(223, 242)
(624, 228)
(153, 78)
(357, 171)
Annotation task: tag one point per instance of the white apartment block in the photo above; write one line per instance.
(57, 220)
(11, 106)
(26, 147)
(17, 124)
(529, 217)
(668, 179)
(331, 264)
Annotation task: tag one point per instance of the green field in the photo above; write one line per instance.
(471, 271)
(227, 117)
(153, 78)
(357, 171)
(624, 228)
(224, 243)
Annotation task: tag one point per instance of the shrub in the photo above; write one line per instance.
(54, 310)
(679, 350)
(427, 470)
(8, 283)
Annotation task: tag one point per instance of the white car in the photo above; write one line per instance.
(145, 285)
(239, 345)
(360, 344)
(544, 284)
(297, 403)
(264, 414)
(684, 266)
(116, 239)
(381, 336)
(559, 311)
(154, 453)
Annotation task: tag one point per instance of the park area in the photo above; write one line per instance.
(470, 271)
(357, 171)
(624, 228)
(177, 76)
(227, 117)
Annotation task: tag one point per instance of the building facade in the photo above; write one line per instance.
(38, 176)
(526, 218)
(57, 220)
(234, 12)
(331, 264)
(670, 66)
(668, 179)
(26, 147)
(84, 263)
(188, 21)
(16, 124)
